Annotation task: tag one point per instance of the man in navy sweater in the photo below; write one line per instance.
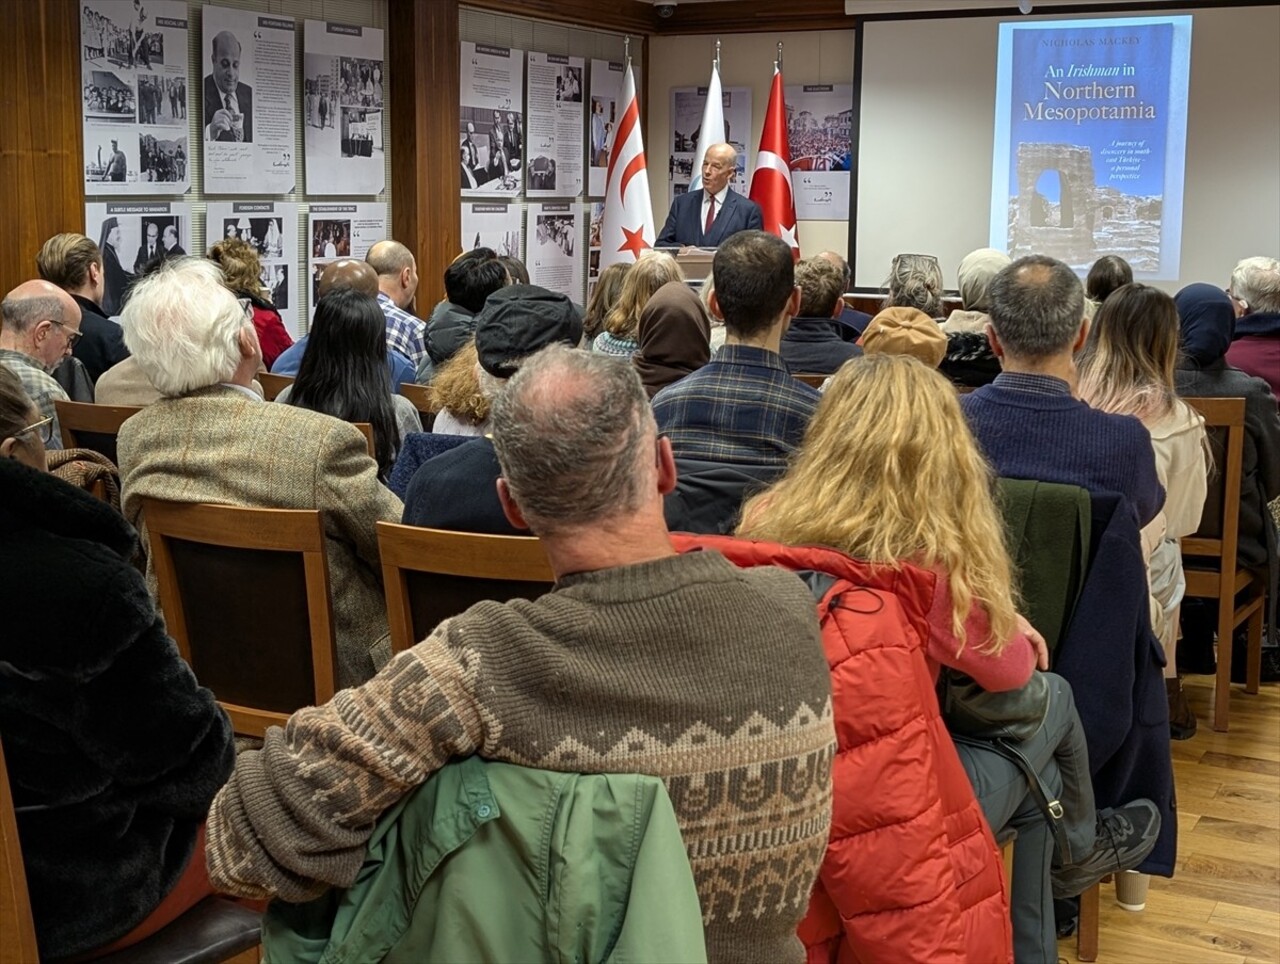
(1028, 421)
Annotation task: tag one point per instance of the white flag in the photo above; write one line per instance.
(711, 130)
(627, 229)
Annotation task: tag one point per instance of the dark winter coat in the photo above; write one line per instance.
(114, 751)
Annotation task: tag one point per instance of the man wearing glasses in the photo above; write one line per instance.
(41, 323)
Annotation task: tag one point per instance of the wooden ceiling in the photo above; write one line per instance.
(706, 16)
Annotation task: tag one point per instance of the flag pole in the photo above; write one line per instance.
(716, 63)
(626, 51)
(777, 62)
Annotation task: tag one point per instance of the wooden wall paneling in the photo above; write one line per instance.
(623, 16)
(753, 16)
(426, 183)
(41, 141)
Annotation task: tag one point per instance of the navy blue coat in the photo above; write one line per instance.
(684, 223)
(1115, 666)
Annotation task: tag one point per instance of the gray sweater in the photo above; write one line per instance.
(686, 668)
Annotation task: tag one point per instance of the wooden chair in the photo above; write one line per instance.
(420, 396)
(245, 594)
(811, 379)
(85, 425)
(1209, 557)
(273, 385)
(430, 575)
(366, 428)
(215, 930)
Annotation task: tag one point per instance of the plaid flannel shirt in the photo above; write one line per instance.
(39, 385)
(405, 333)
(743, 407)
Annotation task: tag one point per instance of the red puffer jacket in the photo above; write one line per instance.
(912, 872)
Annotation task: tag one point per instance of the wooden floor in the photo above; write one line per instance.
(1223, 905)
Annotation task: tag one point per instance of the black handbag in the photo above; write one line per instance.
(1014, 715)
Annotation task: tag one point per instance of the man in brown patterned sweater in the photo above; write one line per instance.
(640, 661)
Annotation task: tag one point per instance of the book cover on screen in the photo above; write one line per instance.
(1090, 138)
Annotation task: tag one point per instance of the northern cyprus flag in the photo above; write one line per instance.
(711, 131)
(627, 229)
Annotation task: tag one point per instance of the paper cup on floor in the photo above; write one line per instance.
(1131, 890)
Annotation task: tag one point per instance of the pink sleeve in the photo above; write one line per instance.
(1006, 671)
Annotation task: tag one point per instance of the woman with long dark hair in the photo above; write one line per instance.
(344, 373)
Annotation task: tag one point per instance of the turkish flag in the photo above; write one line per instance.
(771, 183)
(626, 229)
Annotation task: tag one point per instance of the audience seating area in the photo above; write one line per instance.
(261, 601)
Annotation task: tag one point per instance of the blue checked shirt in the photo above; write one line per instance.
(743, 407)
(1034, 384)
(39, 385)
(405, 333)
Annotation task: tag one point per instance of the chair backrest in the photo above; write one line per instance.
(17, 929)
(811, 379)
(245, 594)
(366, 428)
(1219, 521)
(420, 396)
(85, 425)
(430, 575)
(273, 385)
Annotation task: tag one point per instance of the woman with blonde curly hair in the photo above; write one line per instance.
(461, 394)
(642, 280)
(243, 273)
(889, 474)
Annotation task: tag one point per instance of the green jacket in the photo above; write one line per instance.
(493, 862)
(1048, 528)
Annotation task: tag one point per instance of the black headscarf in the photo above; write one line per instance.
(1207, 320)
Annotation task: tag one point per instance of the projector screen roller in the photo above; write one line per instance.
(1072, 136)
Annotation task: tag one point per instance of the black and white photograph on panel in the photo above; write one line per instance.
(133, 86)
(162, 160)
(491, 122)
(344, 81)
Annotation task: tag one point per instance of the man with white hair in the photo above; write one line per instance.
(706, 217)
(41, 324)
(212, 439)
(1255, 346)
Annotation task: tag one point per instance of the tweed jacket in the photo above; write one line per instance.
(219, 445)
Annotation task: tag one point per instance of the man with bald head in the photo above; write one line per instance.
(397, 271)
(349, 273)
(39, 323)
(346, 273)
(228, 104)
(706, 217)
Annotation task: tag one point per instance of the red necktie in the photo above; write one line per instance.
(711, 214)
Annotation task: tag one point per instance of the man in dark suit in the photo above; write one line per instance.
(706, 217)
(149, 248)
(228, 104)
